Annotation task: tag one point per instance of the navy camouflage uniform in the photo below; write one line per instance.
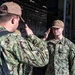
(62, 57)
(19, 51)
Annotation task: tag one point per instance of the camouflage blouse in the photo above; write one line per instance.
(62, 57)
(19, 52)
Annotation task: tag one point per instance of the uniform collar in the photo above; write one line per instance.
(60, 42)
(2, 28)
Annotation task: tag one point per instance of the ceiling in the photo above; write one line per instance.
(40, 5)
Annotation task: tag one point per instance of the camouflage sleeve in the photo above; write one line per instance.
(72, 58)
(34, 51)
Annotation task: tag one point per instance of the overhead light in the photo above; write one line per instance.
(36, 11)
(44, 6)
(32, 1)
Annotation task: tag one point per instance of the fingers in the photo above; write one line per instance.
(48, 30)
(26, 26)
(28, 30)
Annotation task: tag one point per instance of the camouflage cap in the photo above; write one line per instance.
(58, 24)
(14, 8)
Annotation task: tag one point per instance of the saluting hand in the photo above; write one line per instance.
(46, 34)
(28, 30)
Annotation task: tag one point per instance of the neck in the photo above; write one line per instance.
(58, 38)
(8, 28)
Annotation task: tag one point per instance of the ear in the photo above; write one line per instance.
(13, 20)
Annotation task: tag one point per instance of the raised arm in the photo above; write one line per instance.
(46, 34)
(36, 52)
